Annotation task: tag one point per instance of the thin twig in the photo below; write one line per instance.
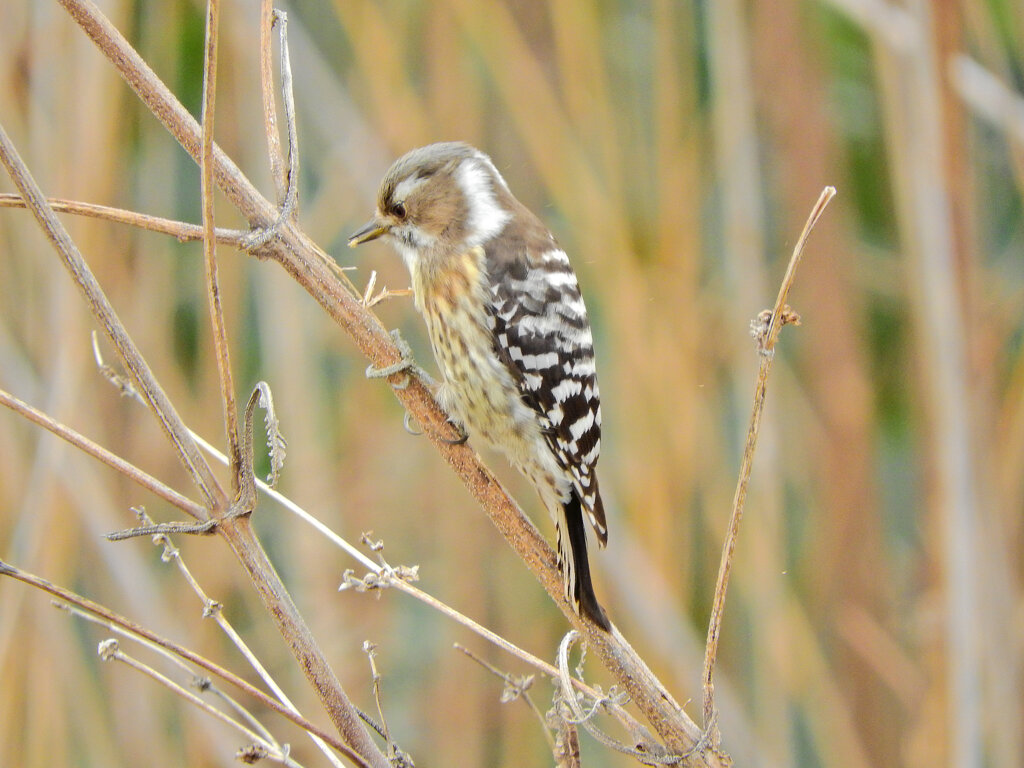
(396, 756)
(515, 688)
(369, 300)
(182, 231)
(769, 333)
(163, 529)
(67, 596)
(220, 334)
(370, 649)
(112, 460)
(213, 609)
(203, 684)
(291, 202)
(110, 650)
(294, 508)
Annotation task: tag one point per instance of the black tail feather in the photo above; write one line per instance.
(583, 588)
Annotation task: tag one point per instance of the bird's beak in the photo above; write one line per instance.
(371, 231)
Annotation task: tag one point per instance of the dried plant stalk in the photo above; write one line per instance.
(766, 338)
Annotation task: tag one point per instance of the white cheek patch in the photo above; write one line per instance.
(486, 217)
(409, 255)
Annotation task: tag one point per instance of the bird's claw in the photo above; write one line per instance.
(407, 363)
(461, 430)
(407, 423)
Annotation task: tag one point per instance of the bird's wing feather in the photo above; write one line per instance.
(542, 335)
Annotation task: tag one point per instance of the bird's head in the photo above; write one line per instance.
(444, 197)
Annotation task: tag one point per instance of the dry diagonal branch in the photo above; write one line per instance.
(237, 531)
(259, 747)
(131, 628)
(214, 609)
(112, 460)
(310, 267)
(141, 375)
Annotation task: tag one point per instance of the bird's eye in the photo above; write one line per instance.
(399, 210)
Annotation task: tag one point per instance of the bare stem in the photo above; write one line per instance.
(371, 654)
(288, 198)
(220, 340)
(766, 345)
(411, 589)
(238, 531)
(267, 94)
(289, 208)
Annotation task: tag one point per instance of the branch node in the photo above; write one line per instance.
(252, 754)
(258, 238)
(121, 383)
(382, 578)
(108, 649)
(202, 683)
(761, 328)
(379, 580)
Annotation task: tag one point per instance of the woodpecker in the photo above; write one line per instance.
(510, 333)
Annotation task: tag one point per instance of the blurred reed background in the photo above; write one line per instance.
(876, 612)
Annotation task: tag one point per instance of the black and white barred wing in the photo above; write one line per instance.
(542, 333)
